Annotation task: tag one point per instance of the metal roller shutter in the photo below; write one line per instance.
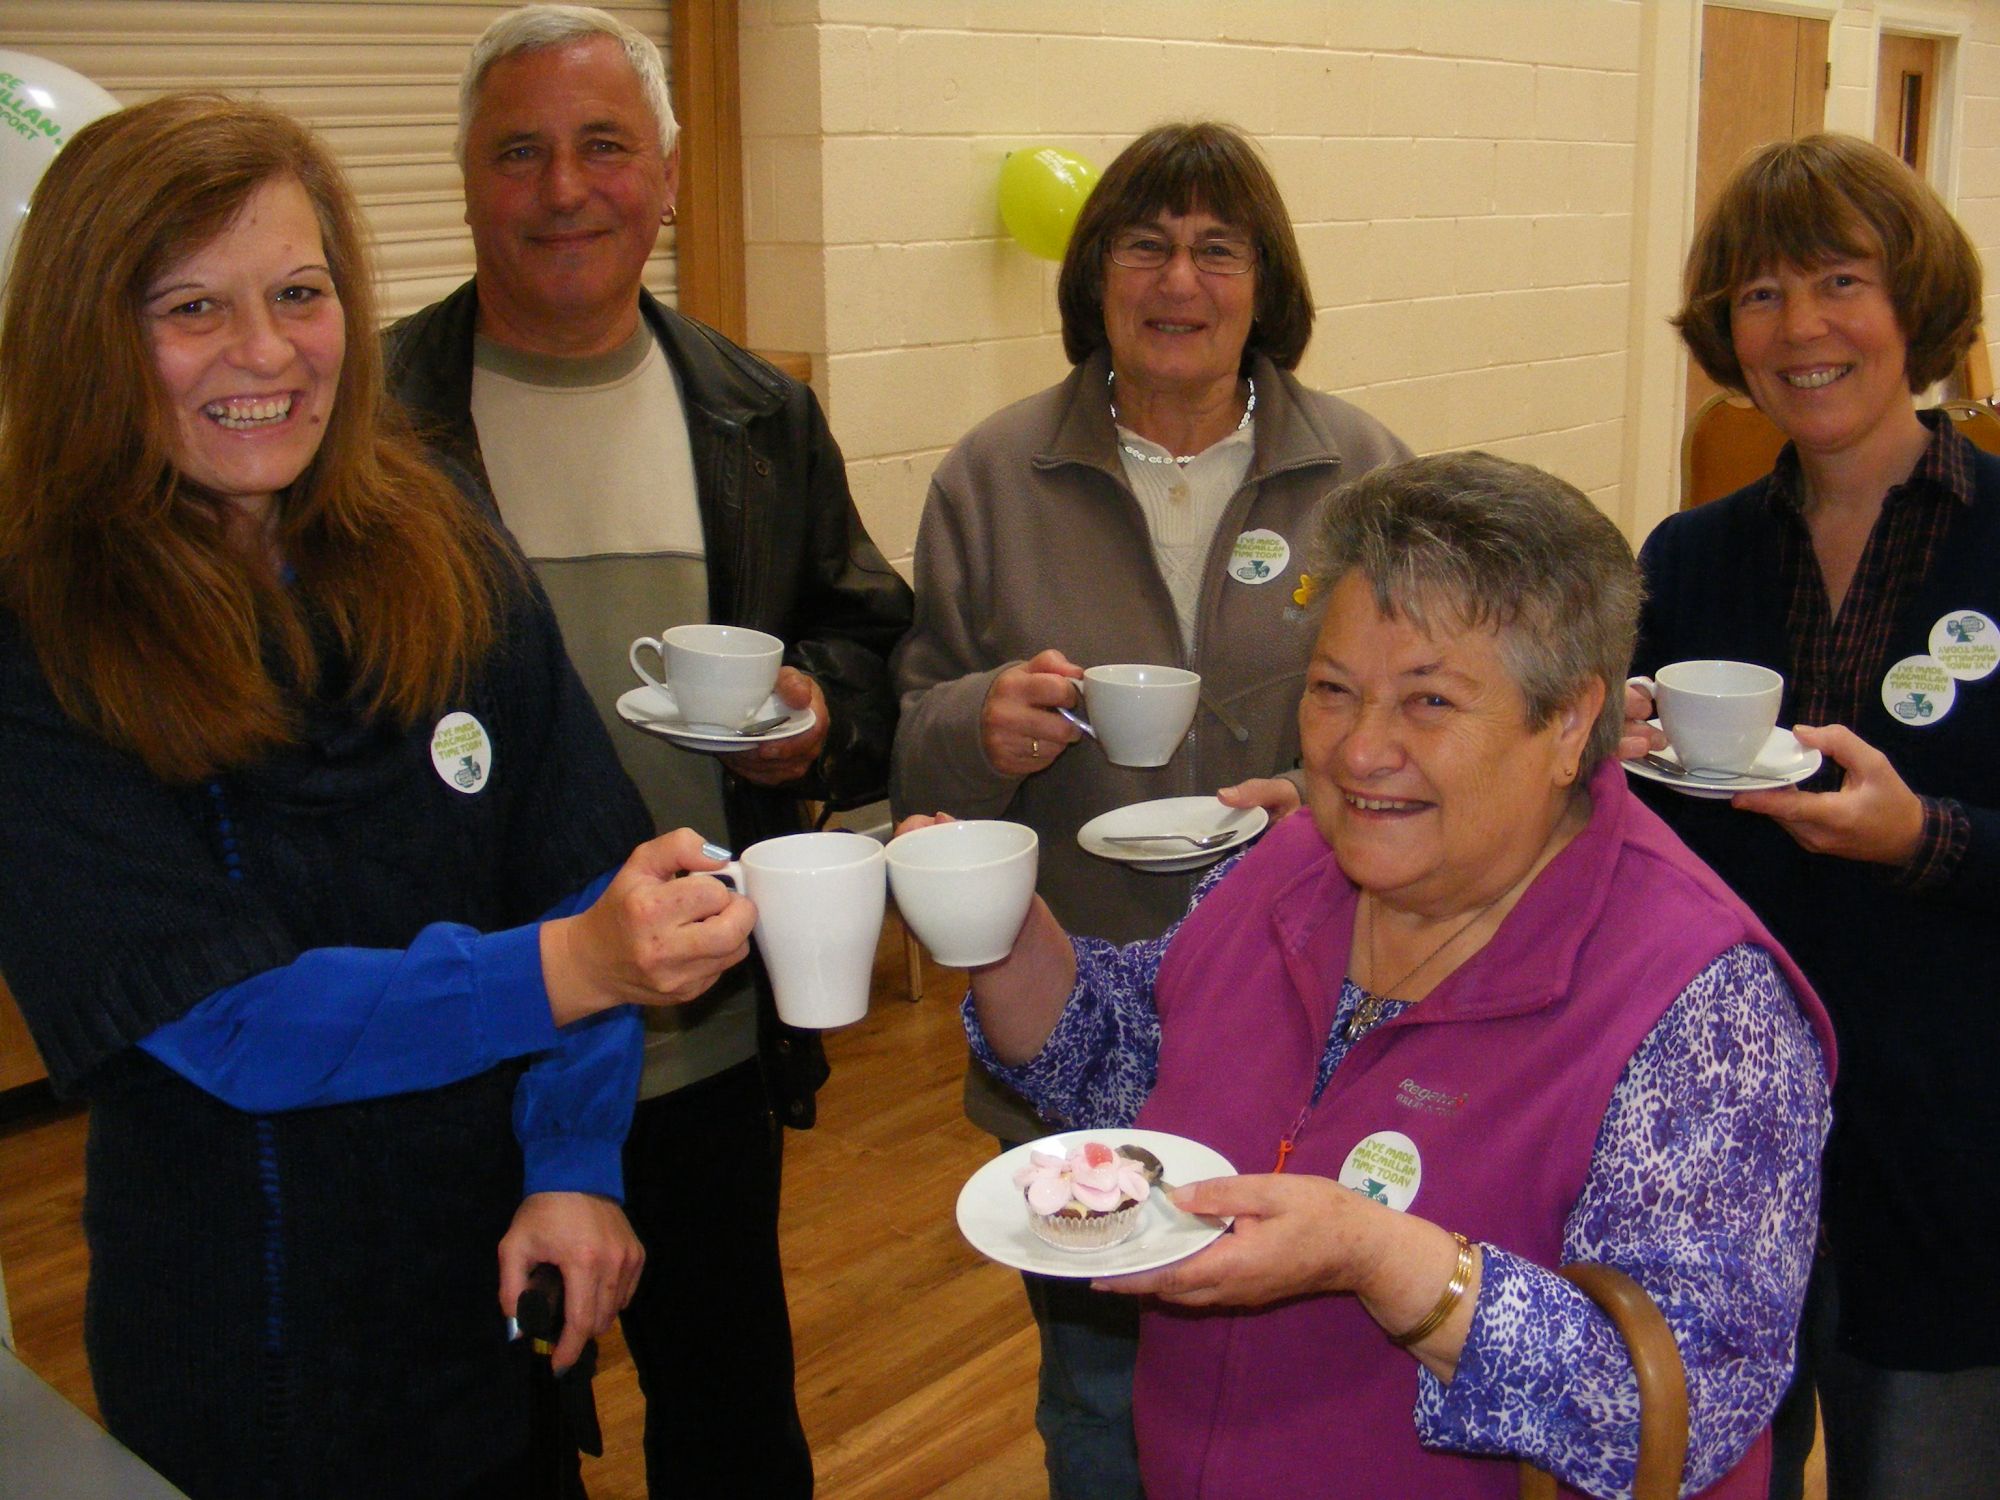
(377, 78)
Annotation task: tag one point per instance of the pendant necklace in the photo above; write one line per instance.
(1182, 459)
(1374, 1001)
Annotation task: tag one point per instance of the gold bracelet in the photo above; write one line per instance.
(1461, 1278)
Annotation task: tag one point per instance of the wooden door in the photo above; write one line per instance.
(1906, 78)
(1763, 78)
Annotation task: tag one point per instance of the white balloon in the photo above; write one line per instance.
(42, 104)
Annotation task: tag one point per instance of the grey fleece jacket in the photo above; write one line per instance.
(1031, 538)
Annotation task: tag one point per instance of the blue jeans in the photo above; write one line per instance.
(1083, 1404)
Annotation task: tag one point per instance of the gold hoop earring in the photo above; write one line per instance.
(670, 215)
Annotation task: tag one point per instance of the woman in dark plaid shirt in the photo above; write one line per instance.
(1830, 284)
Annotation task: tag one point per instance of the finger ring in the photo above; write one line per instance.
(1034, 749)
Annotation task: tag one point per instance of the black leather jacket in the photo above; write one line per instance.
(787, 554)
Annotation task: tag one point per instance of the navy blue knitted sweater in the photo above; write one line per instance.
(299, 1304)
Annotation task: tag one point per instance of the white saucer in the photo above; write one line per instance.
(1781, 763)
(993, 1213)
(1171, 815)
(655, 711)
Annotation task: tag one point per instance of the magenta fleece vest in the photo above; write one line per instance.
(1499, 1079)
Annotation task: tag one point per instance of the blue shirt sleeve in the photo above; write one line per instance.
(341, 1024)
(573, 1107)
(1704, 1188)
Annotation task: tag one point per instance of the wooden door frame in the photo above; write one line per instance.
(708, 234)
(1947, 120)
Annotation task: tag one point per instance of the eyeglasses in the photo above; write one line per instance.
(1142, 250)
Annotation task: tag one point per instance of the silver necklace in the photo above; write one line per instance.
(1183, 459)
(1368, 1010)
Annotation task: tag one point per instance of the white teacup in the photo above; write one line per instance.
(717, 675)
(1716, 714)
(1140, 713)
(964, 888)
(819, 900)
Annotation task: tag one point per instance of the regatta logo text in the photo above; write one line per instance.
(1413, 1095)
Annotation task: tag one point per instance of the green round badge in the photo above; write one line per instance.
(1918, 691)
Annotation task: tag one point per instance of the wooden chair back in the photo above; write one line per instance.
(1656, 1360)
(1972, 378)
(1976, 420)
(1727, 444)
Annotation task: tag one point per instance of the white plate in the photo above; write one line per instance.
(993, 1213)
(1782, 762)
(655, 711)
(1171, 815)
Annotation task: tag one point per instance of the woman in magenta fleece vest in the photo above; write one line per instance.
(1476, 1014)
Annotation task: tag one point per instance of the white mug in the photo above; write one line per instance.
(1140, 713)
(819, 899)
(964, 888)
(717, 675)
(1717, 714)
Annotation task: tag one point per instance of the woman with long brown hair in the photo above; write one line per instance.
(307, 822)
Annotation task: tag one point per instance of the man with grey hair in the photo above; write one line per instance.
(657, 475)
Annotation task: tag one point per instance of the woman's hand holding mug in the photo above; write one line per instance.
(1640, 738)
(651, 938)
(1019, 728)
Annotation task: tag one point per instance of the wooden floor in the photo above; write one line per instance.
(916, 1357)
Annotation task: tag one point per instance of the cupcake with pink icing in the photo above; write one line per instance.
(1087, 1198)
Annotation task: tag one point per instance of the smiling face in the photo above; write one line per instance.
(1421, 770)
(565, 187)
(248, 337)
(1824, 357)
(1176, 331)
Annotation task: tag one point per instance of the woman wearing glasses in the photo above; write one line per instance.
(1149, 508)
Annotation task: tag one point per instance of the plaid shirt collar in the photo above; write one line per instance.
(1945, 468)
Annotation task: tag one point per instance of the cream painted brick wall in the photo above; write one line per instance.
(781, 74)
(1493, 100)
(1464, 176)
(1037, 17)
(958, 83)
(1391, 26)
(1411, 96)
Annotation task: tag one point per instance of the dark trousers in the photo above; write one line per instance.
(708, 1328)
(1794, 1424)
(1892, 1434)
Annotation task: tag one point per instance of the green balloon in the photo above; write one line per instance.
(1041, 192)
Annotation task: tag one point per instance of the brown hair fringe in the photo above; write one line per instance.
(154, 632)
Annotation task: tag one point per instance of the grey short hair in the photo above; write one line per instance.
(533, 27)
(1485, 542)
